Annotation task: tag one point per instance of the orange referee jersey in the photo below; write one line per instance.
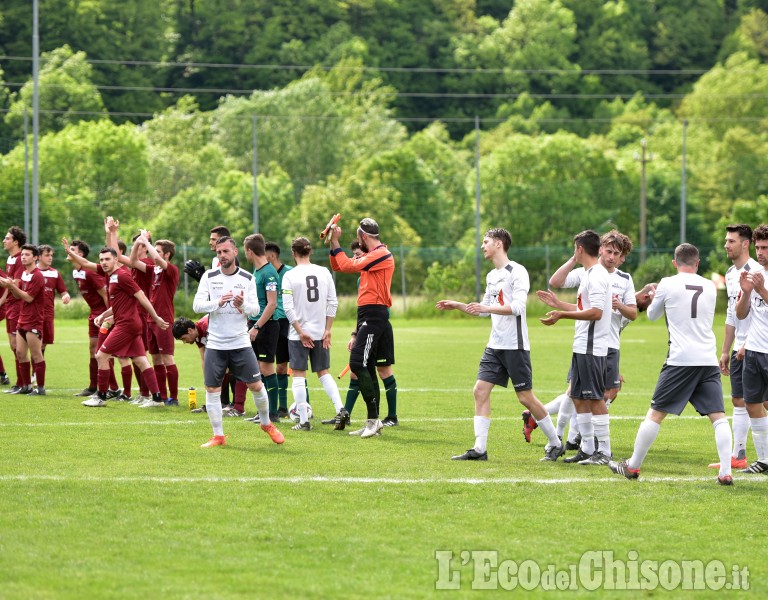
(376, 269)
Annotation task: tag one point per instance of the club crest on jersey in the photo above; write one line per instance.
(113, 278)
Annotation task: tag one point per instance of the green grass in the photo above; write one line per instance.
(121, 502)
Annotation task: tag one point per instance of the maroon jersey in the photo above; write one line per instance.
(202, 332)
(31, 313)
(89, 284)
(14, 268)
(164, 284)
(122, 290)
(54, 282)
(144, 280)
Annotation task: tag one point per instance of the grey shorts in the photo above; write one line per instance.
(612, 374)
(737, 371)
(301, 357)
(679, 385)
(754, 377)
(500, 366)
(241, 362)
(587, 377)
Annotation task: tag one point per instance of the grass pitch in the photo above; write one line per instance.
(121, 502)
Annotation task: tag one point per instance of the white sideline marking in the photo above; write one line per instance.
(371, 480)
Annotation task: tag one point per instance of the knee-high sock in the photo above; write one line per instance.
(26, 378)
(150, 380)
(553, 407)
(261, 400)
(282, 390)
(112, 378)
(93, 372)
(102, 380)
(368, 388)
(352, 393)
(143, 389)
(40, 373)
(330, 387)
(299, 388)
(270, 383)
(548, 429)
(213, 408)
(760, 438)
(127, 376)
(740, 431)
(2, 365)
(161, 376)
(390, 389)
(172, 372)
(601, 425)
(587, 431)
(646, 435)
(566, 409)
(723, 440)
(240, 392)
(482, 425)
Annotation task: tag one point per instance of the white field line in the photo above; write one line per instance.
(310, 479)
(204, 419)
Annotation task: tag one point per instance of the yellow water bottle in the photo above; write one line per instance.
(192, 396)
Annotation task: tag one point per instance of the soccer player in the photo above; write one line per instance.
(272, 251)
(691, 372)
(309, 298)
(738, 239)
(161, 343)
(124, 339)
(4, 379)
(752, 304)
(507, 356)
(228, 295)
(374, 331)
(29, 326)
(592, 313)
(614, 248)
(264, 328)
(93, 289)
(54, 282)
(14, 239)
(193, 332)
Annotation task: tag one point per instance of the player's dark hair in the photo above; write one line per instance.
(612, 238)
(181, 326)
(301, 247)
(255, 243)
(44, 248)
(687, 254)
(82, 246)
(502, 235)
(224, 240)
(108, 249)
(122, 246)
(744, 231)
(369, 227)
(627, 244)
(354, 246)
(589, 240)
(32, 248)
(221, 230)
(760, 233)
(17, 233)
(272, 247)
(168, 247)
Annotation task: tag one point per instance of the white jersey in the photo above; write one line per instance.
(757, 338)
(309, 296)
(688, 300)
(623, 288)
(227, 325)
(733, 288)
(508, 286)
(591, 337)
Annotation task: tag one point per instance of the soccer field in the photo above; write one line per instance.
(120, 502)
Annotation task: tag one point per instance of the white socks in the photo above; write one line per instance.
(548, 429)
(740, 431)
(261, 400)
(723, 440)
(587, 432)
(330, 387)
(603, 433)
(646, 435)
(213, 408)
(482, 425)
(299, 387)
(567, 409)
(760, 438)
(554, 407)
